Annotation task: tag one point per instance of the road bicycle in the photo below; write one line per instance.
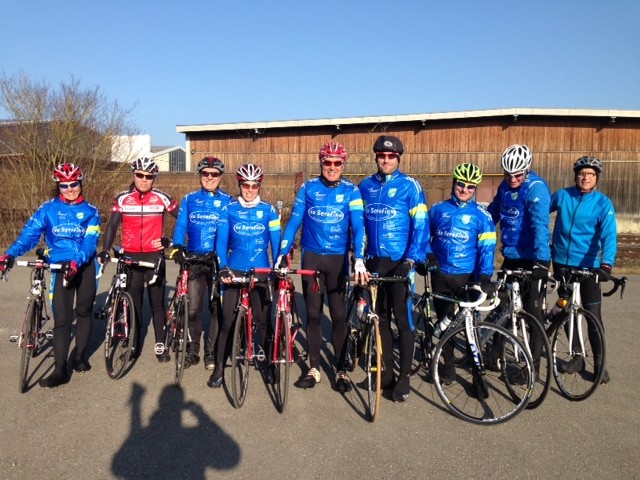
(527, 328)
(122, 332)
(176, 328)
(34, 337)
(243, 351)
(461, 366)
(577, 338)
(287, 326)
(364, 341)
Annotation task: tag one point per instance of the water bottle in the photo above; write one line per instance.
(442, 326)
(361, 309)
(558, 306)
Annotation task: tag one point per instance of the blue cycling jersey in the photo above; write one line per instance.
(585, 232)
(71, 231)
(463, 237)
(395, 217)
(524, 219)
(198, 219)
(244, 235)
(330, 217)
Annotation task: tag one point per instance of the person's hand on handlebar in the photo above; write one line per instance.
(361, 275)
(226, 275)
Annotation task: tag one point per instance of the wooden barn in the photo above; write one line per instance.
(434, 144)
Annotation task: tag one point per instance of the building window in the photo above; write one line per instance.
(177, 161)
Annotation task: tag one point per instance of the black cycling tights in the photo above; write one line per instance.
(155, 291)
(83, 288)
(332, 273)
(201, 283)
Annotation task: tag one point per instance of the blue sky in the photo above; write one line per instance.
(193, 62)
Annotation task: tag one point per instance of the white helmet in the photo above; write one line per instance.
(145, 164)
(249, 172)
(516, 158)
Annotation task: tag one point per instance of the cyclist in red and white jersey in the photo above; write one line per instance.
(141, 210)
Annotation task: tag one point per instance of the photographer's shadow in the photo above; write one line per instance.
(166, 448)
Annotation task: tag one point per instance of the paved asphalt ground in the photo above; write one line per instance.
(143, 427)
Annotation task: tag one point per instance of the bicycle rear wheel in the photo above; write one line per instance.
(373, 369)
(532, 334)
(240, 360)
(121, 336)
(483, 397)
(27, 341)
(283, 362)
(578, 373)
(182, 336)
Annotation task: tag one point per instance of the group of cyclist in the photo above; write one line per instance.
(383, 222)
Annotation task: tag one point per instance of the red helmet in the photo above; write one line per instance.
(67, 172)
(333, 149)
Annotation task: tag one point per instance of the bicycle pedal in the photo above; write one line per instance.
(49, 335)
(14, 338)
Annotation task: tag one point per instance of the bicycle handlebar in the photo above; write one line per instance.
(617, 283)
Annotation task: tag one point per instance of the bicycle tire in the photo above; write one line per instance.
(121, 336)
(423, 333)
(182, 336)
(240, 360)
(580, 385)
(283, 360)
(27, 342)
(543, 366)
(461, 395)
(373, 369)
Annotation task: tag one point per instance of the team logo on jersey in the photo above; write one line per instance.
(260, 214)
(319, 196)
(67, 230)
(510, 212)
(340, 198)
(201, 218)
(514, 195)
(324, 214)
(217, 203)
(379, 212)
(392, 192)
(248, 229)
(80, 215)
(455, 234)
(466, 219)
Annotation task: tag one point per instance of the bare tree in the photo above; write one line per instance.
(49, 125)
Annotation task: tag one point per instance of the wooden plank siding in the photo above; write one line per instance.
(433, 149)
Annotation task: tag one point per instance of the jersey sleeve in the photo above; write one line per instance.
(275, 233)
(538, 204)
(90, 241)
(356, 220)
(420, 226)
(180, 230)
(294, 223)
(30, 235)
(222, 238)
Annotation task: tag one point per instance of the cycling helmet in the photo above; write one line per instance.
(211, 162)
(67, 172)
(249, 172)
(145, 164)
(333, 149)
(587, 162)
(516, 158)
(388, 143)
(467, 172)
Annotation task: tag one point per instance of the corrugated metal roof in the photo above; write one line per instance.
(562, 112)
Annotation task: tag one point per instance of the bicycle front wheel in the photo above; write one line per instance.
(373, 369)
(27, 341)
(240, 360)
(182, 336)
(533, 336)
(473, 393)
(283, 360)
(579, 352)
(120, 337)
(423, 333)
(352, 343)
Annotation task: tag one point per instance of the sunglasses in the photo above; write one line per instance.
(64, 186)
(387, 156)
(146, 177)
(336, 163)
(586, 174)
(517, 176)
(250, 186)
(210, 174)
(463, 185)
